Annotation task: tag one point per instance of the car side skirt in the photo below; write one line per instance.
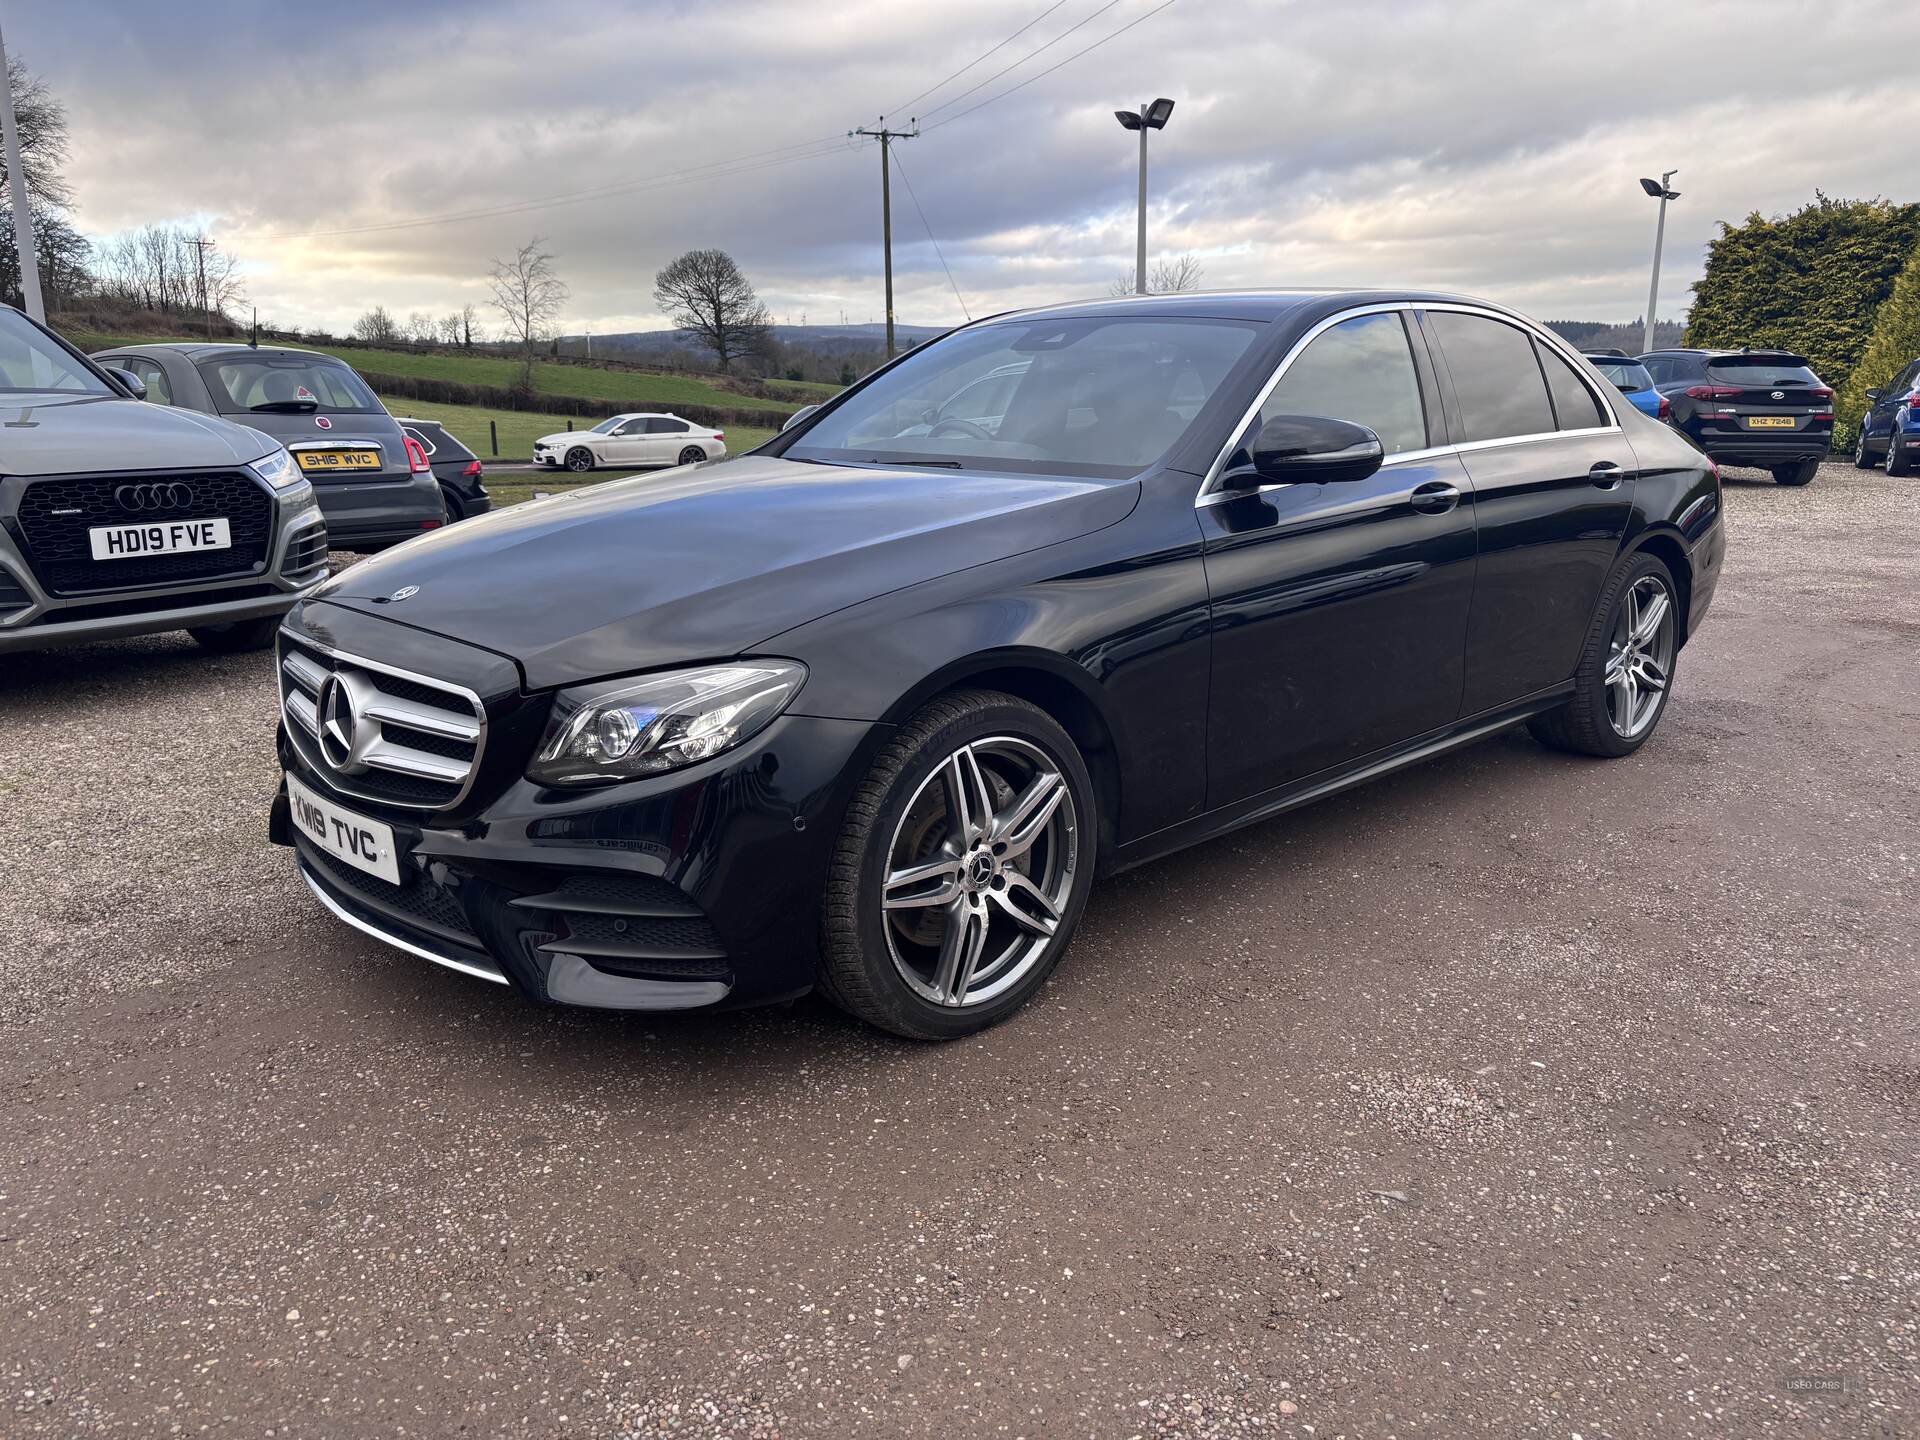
(1269, 803)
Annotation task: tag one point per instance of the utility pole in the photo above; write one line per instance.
(200, 265)
(1151, 116)
(1664, 192)
(22, 208)
(886, 137)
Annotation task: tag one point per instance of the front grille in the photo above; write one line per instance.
(13, 598)
(56, 514)
(631, 925)
(397, 739)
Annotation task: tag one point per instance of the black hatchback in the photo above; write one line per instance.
(457, 468)
(1764, 408)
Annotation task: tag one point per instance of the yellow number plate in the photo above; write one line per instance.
(1770, 422)
(338, 459)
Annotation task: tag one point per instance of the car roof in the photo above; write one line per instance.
(1257, 305)
(206, 349)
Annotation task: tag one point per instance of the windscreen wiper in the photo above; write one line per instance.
(939, 464)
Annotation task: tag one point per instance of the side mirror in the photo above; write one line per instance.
(1876, 395)
(135, 385)
(797, 416)
(1306, 449)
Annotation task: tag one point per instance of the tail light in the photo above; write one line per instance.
(417, 457)
(1666, 409)
(1912, 402)
(474, 469)
(429, 524)
(1713, 392)
(719, 434)
(1821, 392)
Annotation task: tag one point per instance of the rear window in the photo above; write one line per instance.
(1760, 370)
(1625, 376)
(241, 384)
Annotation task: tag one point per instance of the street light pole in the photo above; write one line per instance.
(1148, 117)
(17, 189)
(1665, 193)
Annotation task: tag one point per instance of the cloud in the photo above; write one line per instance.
(1486, 147)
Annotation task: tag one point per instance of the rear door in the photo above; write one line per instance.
(1553, 488)
(668, 438)
(1339, 610)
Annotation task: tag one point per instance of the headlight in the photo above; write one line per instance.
(278, 470)
(630, 728)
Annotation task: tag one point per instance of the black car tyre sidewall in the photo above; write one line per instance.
(856, 964)
(1897, 461)
(696, 452)
(1800, 472)
(1582, 725)
(455, 509)
(1862, 456)
(581, 453)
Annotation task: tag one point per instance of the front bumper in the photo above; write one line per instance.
(695, 889)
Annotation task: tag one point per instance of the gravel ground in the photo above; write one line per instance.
(1514, 1095)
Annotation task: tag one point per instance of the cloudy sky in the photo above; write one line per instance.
(1478, 145)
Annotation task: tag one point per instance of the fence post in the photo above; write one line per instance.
(493, 430)
(569, 427)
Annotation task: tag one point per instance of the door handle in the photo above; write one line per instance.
(1436, 497)
(1606, 474)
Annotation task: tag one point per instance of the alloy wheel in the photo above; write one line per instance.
(579, 461)
(1640, 657)
(979, 871)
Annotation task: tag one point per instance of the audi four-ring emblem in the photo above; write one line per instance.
(162, 495)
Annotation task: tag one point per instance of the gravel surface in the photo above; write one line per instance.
(1517, 1094)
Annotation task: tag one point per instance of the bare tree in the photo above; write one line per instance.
(447, 330)
(43, 152)
(466, 328)
(377, 327)
(1164, 277)
(528, 294)
(706, 296)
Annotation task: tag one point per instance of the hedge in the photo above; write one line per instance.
(1894, 343)
(498, 397)
(1809, 282)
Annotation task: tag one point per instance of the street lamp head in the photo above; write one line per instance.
(1158, 113)
(1127, 119)
(1655, 190)
(1652, 187)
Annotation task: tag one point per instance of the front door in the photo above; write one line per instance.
(1553, 480)
(1339, 610)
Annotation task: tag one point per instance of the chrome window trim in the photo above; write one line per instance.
(325, 773)
(340, 912)
(1209, 494)
(337, 445)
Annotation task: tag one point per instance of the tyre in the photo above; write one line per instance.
(1899, 457)
(1801, 472)
(238, 636)
(961, 871)
(455, 510)
(579, 459)
(692, 455)
(1862, 460)
(1626, 666)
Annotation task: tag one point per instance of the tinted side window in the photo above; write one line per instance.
(667, 427)
(1495, 377)
(1573, 404)
(1359, 370)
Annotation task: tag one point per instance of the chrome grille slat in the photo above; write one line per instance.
(383, 767)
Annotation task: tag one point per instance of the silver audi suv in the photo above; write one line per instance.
(118, 518)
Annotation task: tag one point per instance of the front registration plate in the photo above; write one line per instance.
(362, 843)
(311, 460)
(1770, 422)
(170, 537)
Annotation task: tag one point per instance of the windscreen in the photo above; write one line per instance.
(242, 384)
(1039, 396)
(1626, 376)
(1752, 370)
(31, 363)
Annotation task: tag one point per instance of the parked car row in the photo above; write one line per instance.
(213, 505)
(1764, 408)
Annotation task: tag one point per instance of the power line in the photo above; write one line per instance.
(1114, 35)
(1084, 20)
(929, 229)
(978, 58)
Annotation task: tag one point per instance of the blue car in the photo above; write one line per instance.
(1631, 379)
(1890, 430)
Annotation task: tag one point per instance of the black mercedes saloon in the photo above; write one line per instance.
(869, 708)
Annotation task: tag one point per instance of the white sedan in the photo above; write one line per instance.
(631, 440)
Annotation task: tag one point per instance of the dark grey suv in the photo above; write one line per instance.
(118, 518)
(373, 489)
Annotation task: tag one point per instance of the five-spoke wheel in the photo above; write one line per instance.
(1640, 656)
(1626, 665)
(962, 870)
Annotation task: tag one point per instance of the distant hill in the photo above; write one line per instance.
(828, 342)
(1629, 336)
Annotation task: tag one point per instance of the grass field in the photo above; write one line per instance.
(520, 428)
